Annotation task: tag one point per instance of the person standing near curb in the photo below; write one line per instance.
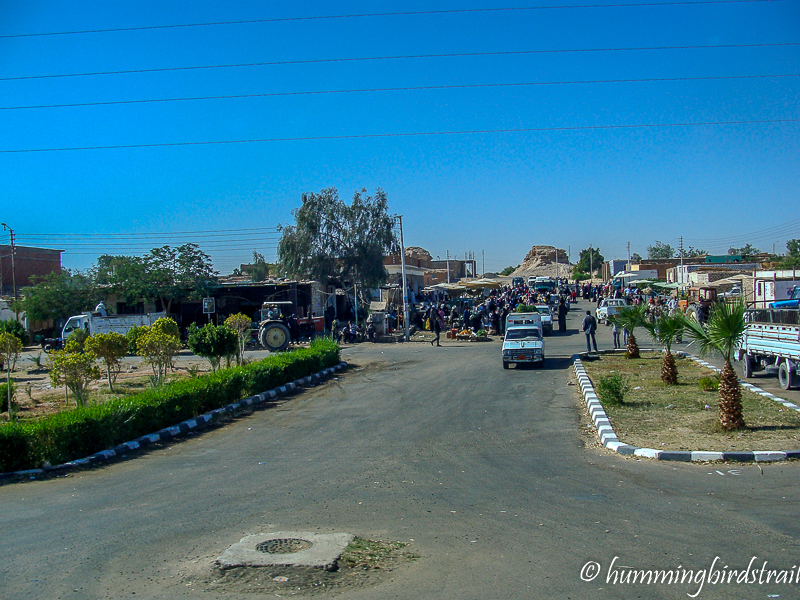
(589, 327)
(562, 316)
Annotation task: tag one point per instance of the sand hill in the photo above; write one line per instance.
(541, 262)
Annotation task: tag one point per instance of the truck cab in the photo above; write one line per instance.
(524, 339)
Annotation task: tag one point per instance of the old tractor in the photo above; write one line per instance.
(280, 326)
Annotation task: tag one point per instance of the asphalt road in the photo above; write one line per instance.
(491, 473)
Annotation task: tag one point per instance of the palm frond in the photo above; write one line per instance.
(630, 317)
(723, 331)
(666, 329)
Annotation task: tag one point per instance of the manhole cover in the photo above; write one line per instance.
(283, 546)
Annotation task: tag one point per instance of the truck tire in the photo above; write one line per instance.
(505, 364)
(749, 366)
(787, 378)
(274, 336)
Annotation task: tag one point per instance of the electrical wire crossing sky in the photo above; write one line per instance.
(491, 128)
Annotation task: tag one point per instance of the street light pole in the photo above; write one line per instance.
(403, 284)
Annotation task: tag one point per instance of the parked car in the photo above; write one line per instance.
(608, 308)
(547, 318)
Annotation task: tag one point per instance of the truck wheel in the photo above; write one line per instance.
(505, 364)
(786, 376)
(749, 366)
(274, 337)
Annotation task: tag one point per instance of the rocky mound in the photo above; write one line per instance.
(541, 262)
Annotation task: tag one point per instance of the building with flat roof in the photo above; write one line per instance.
(27, 263)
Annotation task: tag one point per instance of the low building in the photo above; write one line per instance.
(28, 262)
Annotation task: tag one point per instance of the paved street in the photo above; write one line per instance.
(485, 470)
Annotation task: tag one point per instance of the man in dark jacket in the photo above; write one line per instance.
(562, 316)
(589, 327)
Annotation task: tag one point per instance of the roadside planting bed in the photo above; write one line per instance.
(70, 435)
(683, 417)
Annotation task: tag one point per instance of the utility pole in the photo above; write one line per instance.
(448, 266)
(13, 267)
(629, 257)
(680, 249)
(483, 263)
(591, 269)
(403, 285)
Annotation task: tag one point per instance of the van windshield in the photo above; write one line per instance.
(523, 334)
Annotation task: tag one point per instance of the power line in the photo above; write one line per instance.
(397, 57)
(149, 235)
(789, 226)
(408, 134)
(398, 89)
(369, 15)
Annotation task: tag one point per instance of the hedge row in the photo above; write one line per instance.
(70, 435)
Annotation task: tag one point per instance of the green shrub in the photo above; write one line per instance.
(74, 434)
(708, 384)
(526, 308)
(213, 342)
(15, 328)
(612, 388)
(133, 335)
(4, 395)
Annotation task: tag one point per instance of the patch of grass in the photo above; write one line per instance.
(708, 384)
(371, 554)
(682, 417)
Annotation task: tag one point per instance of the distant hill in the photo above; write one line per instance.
(541, 262)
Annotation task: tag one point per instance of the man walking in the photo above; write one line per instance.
(589, 327)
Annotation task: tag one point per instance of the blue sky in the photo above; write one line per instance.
(557, 183)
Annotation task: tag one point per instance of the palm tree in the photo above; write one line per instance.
(629, 318)
(665, 330)
(723, 332)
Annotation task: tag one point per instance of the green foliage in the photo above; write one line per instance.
(578, 275)
(666, 329)
(241, 324)
(110, 348)
(792, 258)
(690, 252)
(73, 368)
(133, 335)
(745, 251)
(526, 308)
(589, 260)
(158, 349)
(16, 329)
(213, 342)
(508, 271)
(79, 336)
(612, 388)
(58, 296)
(10, 347)
(723, 331)
(4, 395)
(167, 326)
(660, 250)
(630, 317)
(333, 240)
(177, 273)
(69, 435)
(258, 269)
(708, 384)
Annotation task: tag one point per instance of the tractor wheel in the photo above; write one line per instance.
(274, 336)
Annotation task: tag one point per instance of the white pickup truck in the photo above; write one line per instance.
(772, 343)
(524, 339)
(95, 322)
(608, 308)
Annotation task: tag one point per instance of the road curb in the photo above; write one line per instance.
(608, 437)
(183, 428)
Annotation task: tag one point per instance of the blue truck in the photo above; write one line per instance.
(792, 302)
